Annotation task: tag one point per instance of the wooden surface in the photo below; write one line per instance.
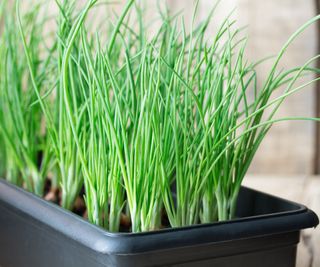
(305, 190)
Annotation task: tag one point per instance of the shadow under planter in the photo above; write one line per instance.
(36, 233)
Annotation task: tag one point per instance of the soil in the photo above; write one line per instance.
(53, 195)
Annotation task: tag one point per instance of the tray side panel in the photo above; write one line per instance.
(24, 242)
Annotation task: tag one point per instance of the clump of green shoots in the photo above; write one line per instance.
(26, 149)
(149, 124)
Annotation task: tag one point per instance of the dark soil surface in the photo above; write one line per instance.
(53, 195)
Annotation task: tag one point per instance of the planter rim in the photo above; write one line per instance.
(55, 218)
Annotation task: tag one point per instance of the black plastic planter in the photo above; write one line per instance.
(36, 233)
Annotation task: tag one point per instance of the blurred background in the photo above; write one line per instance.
(288, 161)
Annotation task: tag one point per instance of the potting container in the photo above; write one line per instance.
(36, 233)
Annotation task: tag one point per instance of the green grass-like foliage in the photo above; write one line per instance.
(134, 116)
